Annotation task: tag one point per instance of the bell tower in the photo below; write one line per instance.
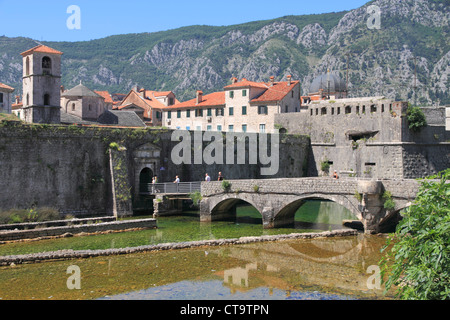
(42, 85)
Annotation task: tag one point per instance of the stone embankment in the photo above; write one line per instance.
(79, 254)
(69, 230)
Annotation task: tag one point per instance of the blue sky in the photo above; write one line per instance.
(46, 20)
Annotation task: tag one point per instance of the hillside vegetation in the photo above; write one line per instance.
(380, 62)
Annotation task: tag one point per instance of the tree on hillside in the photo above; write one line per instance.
(417, 257)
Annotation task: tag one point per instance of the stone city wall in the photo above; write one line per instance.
(70, 168)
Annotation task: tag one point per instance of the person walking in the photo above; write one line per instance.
(220, 178)
(177, 181)
(207, 178)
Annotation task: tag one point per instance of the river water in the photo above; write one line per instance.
(307, 269)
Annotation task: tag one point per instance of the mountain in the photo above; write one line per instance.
(414, 35)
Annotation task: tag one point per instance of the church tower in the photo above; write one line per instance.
(41, 85)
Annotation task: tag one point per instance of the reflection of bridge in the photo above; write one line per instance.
(278, 199)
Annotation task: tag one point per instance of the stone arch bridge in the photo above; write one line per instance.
(278, 199)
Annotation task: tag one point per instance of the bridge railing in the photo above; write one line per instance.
(172, 188)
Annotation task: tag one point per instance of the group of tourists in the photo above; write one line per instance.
(220, 177)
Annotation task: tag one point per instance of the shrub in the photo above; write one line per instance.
(418, 261)
(226, 185)
(389, 203)
(196, 197)
(416, 119)
(256, 188)
(325, 166)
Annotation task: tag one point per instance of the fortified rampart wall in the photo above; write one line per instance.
(370, 138)
(71, 168)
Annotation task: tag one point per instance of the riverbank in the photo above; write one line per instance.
(83, 254)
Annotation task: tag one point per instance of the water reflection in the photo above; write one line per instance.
(328, 268)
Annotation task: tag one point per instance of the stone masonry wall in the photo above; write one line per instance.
(68, 167)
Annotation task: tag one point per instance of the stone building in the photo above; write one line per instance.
(5, 98)
(326, 86)
(147, 104)
(243, 106)
(84, 103)
(41, 85)
(370, 138)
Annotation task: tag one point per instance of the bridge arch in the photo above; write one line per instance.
(225, 207)
(286, 213)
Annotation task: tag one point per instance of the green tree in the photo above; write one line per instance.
(417, 257)
(416, 119)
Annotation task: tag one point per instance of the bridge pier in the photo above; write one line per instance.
(166, 205)
(372, 205)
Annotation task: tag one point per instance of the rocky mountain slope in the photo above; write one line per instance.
(413, 35)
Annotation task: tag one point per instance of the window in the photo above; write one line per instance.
(73, 106)
(89, 106)
(47, 100)
(230, 128)
(244, 110)
(219, 112)
(171, 102)
(27, 66)
(198, 128)
(262, 128)
(292, 93)
(169, 114)
(262, 109)
(209, 112)
(178, 114)
(323, 111)
(1, 97)
(348, 110)
(339, 110)
(231, 94)
(46, 65)
(244, 93)
(286, 108)
(208, 128)
(188, 113)
(231, 111)
(219, 128)
(188, 128)
(158, 115)
(373, 108)
(244, 128)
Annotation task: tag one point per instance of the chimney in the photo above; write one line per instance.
(199, 96)
(62, 89)
(234, 80)
(289, 79)
(17, 99)
(142, 93)
(272, 79)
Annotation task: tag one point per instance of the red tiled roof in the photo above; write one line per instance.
(277, 92)
(4, 86)
(41, 48)
(214, 99)
(244, 83)
(106, 95)
(161, 94)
